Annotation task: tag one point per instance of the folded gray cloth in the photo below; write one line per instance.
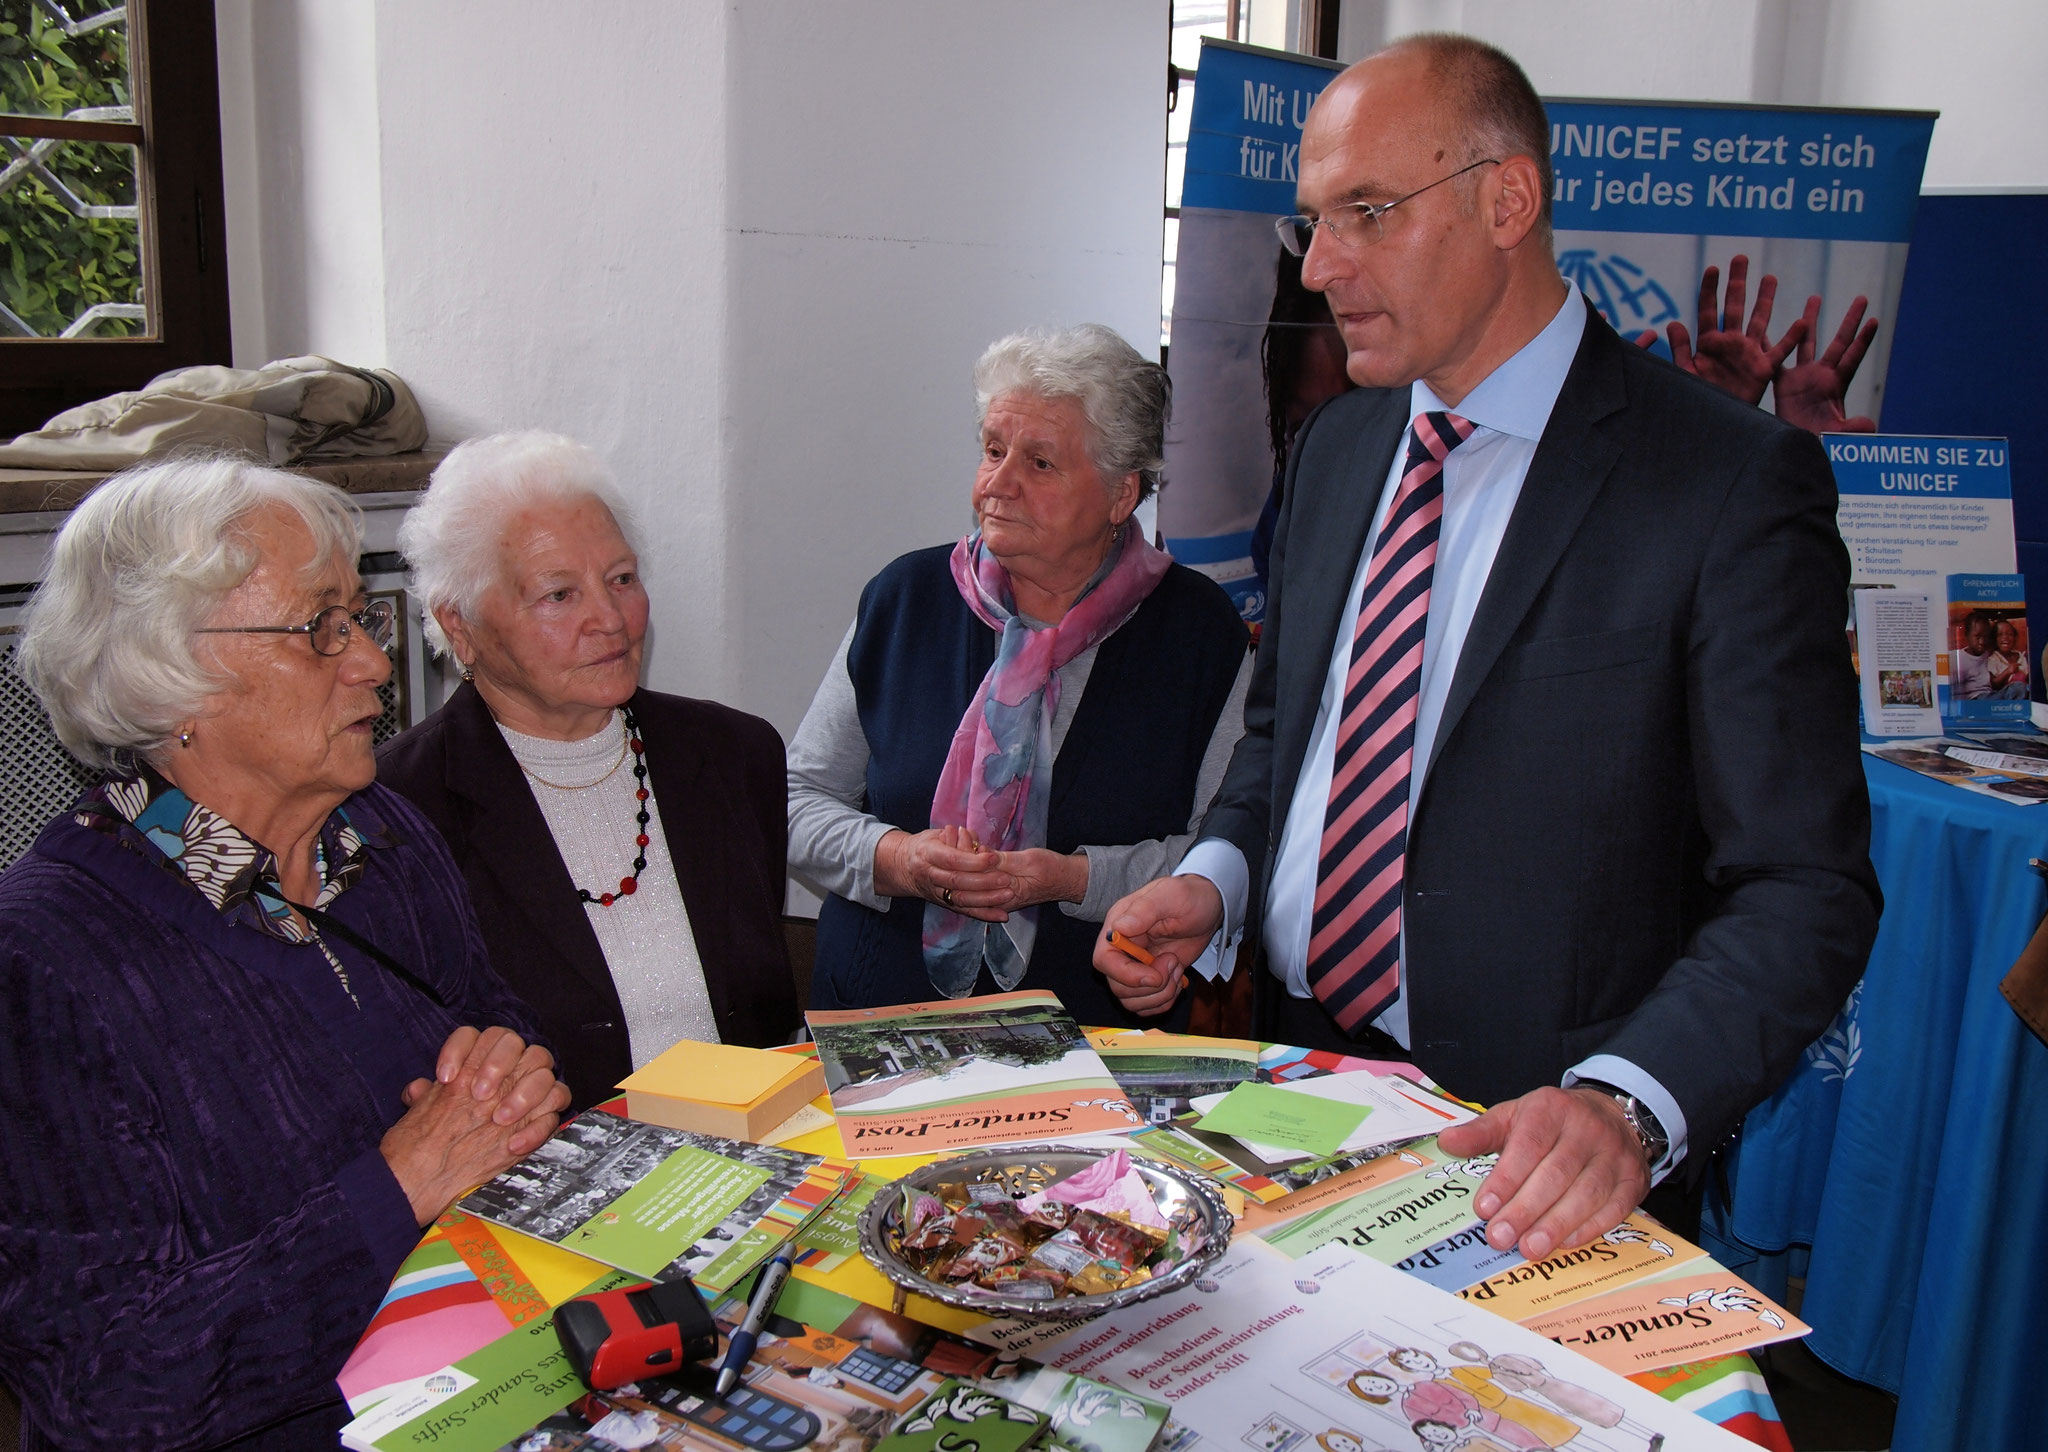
(288, 412)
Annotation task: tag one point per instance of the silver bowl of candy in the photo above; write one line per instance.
(1042, 1231)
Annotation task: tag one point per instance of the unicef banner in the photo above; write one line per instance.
(1648, 195)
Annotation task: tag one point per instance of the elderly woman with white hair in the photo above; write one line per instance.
(624, 847)
(1020, 727)
(253, 1042)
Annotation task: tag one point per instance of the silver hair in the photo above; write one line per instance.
(144, 561)
(450, 540)
(1125, 398)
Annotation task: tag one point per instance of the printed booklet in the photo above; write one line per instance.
(660, 1202)
(1989, 675)
(925, 1078)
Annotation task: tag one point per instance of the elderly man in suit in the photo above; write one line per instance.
(1550, 776)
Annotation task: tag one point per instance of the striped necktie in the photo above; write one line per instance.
(1354, 947)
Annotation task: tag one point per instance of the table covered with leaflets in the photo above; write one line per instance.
(1356, 1308)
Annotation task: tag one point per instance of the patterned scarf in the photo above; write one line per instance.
(237, 875)
(998, 775)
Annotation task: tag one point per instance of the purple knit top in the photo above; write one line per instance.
(195, 1221)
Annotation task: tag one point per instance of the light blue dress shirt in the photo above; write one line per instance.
(1482, 480)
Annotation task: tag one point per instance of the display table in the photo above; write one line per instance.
(468, 1280)
(1904, 1168)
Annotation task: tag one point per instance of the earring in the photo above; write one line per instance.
(468, 674)
(184, 738)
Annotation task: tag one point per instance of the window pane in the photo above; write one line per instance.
(1192, 19)
(64, 58)
(70, 253)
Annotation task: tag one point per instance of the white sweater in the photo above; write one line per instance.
(645, 938)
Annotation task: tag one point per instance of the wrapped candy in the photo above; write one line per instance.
(1095, 1231)
(1109, 1187)
(1127, 1245)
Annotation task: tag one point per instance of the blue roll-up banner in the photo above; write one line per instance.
(1647, 196)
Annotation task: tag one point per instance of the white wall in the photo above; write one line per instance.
(556, 246)
(302, 168)
(1975, 61)
(748, 251)
(903, 194)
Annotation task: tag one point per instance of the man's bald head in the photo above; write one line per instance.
(1487, 99)
(1445, 148)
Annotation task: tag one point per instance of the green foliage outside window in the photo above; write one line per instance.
(55, 264)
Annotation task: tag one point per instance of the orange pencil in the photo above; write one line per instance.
(1118, 940)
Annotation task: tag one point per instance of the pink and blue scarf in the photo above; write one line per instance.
(998, 776)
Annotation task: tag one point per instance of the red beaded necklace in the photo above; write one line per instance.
(630, 884)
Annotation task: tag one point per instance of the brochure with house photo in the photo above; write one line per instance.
(921, 1078)
(660, 1202)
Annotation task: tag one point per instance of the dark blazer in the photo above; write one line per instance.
(1645, 829)
(718, 779)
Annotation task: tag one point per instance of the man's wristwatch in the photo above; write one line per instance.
(1641, 1119)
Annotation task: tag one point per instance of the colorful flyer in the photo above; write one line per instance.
(1397, 1111)
(834, 1237)
(1990, 671)
(466, 1285)
(649, 1199)
(1397, 1219)
(1325, 1193)
(484, 1399)
(1458, 1260)
(1337, 1353)
(1167, 1142)
(1292, 1119)
(920, 1078)
(1161, 1073)
(1684, 1319)
(1635, 1248)
(960, 1415)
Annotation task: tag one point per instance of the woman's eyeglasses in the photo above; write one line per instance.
(330, 629)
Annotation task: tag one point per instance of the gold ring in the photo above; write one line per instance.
(946, 896)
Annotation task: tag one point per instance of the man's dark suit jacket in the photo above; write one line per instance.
(1645, 829)
(719, 781)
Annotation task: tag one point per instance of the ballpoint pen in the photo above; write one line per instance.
(759, 1309)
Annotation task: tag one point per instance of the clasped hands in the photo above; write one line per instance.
(949, 866)
(1742, 361)
(1570, 1168)
(493, 1100)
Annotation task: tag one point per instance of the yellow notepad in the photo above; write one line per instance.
(722, 1089)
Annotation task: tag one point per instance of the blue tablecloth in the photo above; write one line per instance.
(1904, 1168)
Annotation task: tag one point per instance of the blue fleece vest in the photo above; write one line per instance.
(1126, 771)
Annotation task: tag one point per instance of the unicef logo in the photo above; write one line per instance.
(1628, 297)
